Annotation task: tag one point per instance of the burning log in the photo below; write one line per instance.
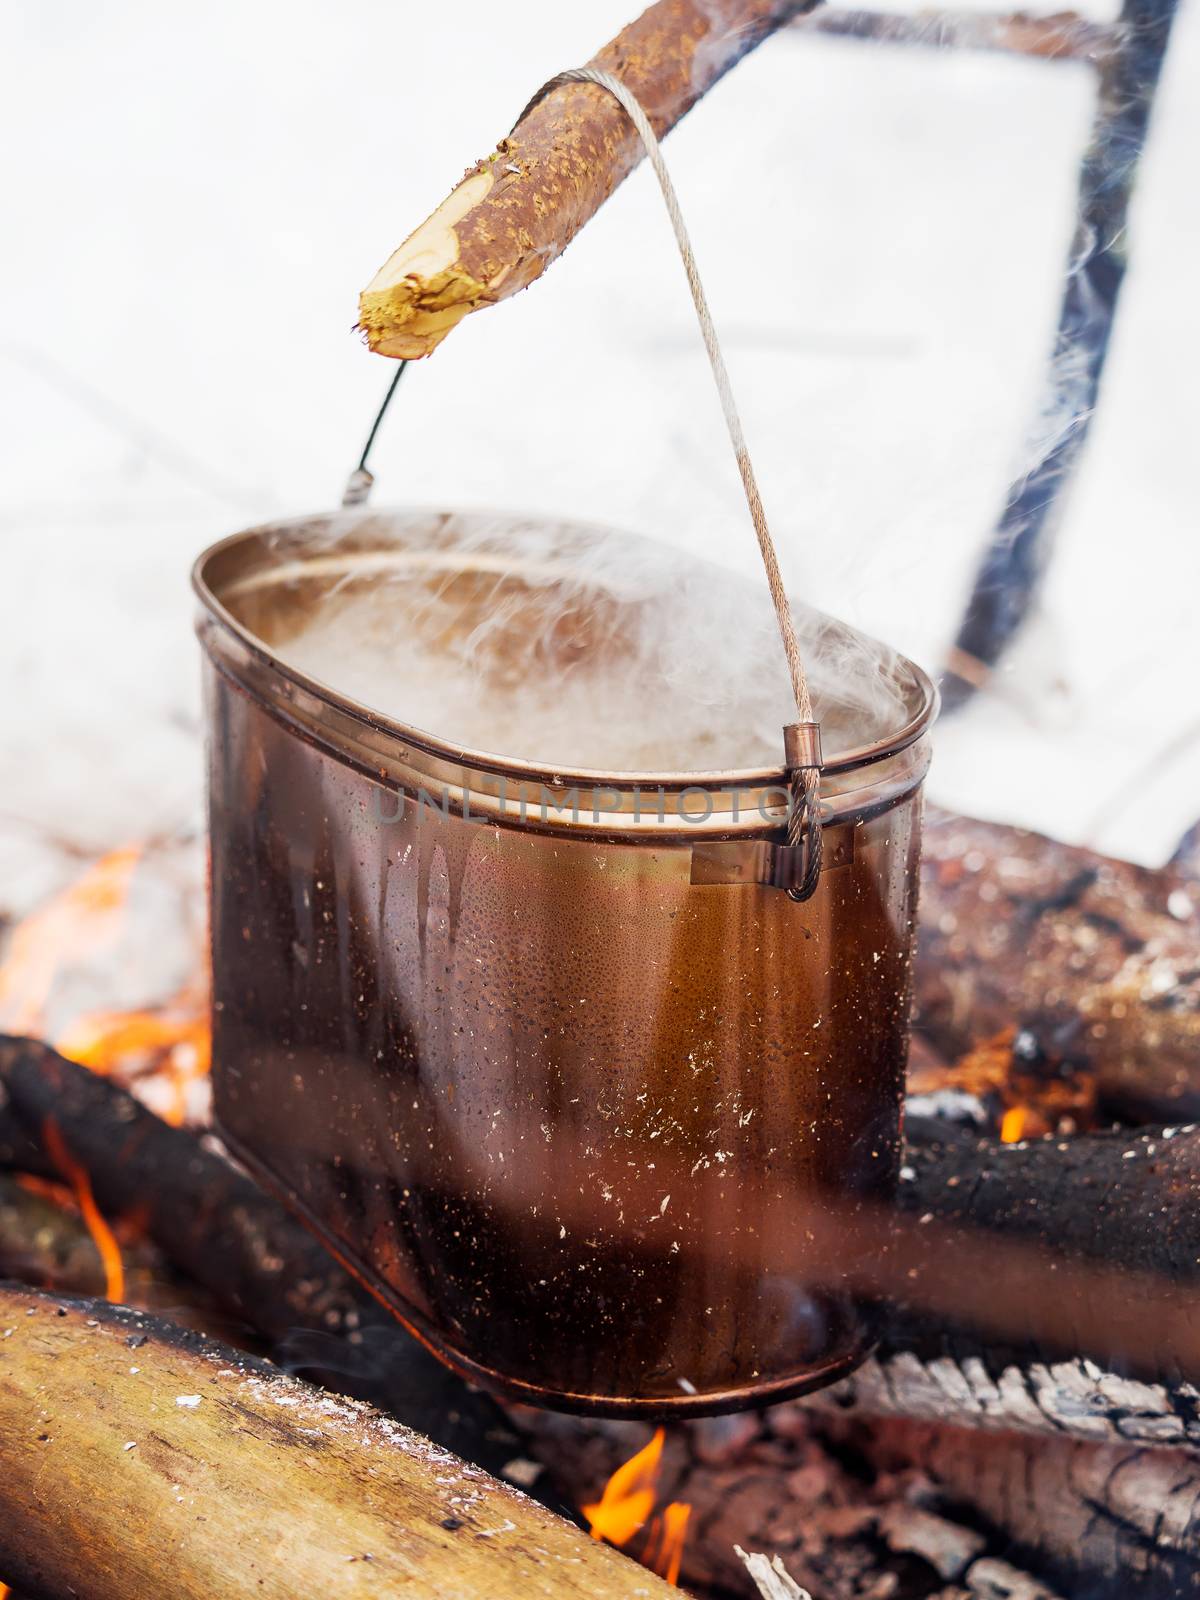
(517, 210)
(847, 1521)
(1097, 960)
(1117, 1513)
(122, 1438)
(1111, 1198)
(1116, 1199)
(213, 1222)
(1043, 1194)
(1127, 1199)
(218, 1227)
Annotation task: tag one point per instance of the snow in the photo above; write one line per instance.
(195, 198)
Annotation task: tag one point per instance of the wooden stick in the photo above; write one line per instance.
(136, 1459)
(1185, 859)
(1063, 36)
(517, 210)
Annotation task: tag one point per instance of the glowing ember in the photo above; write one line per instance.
(102, 1235)
(626, 1507)
(1012, 1127)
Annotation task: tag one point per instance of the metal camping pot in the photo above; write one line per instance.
(547, 1057)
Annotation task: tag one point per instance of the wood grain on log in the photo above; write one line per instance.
(1128, 1517)
(1062, 1399)
(1098, 959)
(517, 210)
(137, 1460)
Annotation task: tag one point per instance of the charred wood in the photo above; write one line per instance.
(42, 1243)
(1120, 1201)
(1104, 1521)
(215, 1225)
(1062, 1399)
(1096, 961)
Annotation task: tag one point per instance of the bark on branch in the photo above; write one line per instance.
(135, 1458)
(517, 210)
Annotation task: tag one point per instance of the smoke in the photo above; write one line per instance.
(562, 644)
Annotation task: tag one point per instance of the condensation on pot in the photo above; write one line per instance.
(506, 1003)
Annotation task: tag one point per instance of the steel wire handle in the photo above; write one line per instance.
(801, 739)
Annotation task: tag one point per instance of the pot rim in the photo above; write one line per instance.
(671, 781)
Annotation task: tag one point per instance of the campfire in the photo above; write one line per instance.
(913, 1476)
(381, 1229)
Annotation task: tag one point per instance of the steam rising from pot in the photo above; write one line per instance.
(562, 644)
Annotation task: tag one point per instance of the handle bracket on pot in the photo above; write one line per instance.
(738, 863)
(797, 864)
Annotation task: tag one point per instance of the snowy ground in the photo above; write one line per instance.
(195, 195)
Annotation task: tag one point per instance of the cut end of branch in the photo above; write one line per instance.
(422, 290)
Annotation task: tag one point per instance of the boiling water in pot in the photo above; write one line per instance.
(579, 648)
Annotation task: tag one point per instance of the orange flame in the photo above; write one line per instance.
(669, 1557)
(1013, 1125)
(626, 1505)
(102, 1235)
(628, 1497)
(176, 1041)
(169, 1042)
(85, 914)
